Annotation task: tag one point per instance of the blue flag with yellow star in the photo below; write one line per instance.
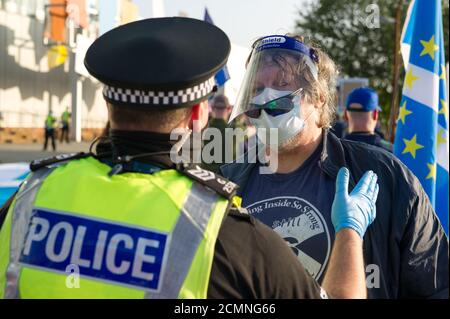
(421, 140)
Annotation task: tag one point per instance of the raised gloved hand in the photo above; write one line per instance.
(356, 210)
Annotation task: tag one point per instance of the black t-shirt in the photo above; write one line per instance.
(252, 261)
(297, 206)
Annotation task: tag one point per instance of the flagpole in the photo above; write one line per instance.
(396, 75)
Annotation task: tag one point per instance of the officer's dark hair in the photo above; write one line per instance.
(155, 120)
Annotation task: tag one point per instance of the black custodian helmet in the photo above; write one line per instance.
(158, 63)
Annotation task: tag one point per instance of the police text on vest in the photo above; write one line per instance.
(104, 250)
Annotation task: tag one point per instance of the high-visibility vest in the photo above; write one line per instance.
(50, 122)
(73, 231)
(65, 117)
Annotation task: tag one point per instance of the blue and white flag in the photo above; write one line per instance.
(222, 76)
(421, 140)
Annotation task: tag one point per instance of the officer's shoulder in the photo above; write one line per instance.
(217, 183)
(241, 214)
(243, 227)
(238, 223)
(57, 159)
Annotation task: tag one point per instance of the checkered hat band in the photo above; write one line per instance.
(178, 97)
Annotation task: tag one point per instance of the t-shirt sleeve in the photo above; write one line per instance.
(252, 261)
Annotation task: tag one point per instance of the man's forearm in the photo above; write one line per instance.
(345, 277)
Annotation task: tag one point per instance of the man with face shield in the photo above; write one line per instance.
(289, 88)
(272, 91)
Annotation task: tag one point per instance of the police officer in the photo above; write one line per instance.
(50, 121)
(65, 118)
(128, 222)
(362, 112)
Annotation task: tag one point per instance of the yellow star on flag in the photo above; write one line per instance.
(411, 146)
(432, 171)
(403, 113)
(441, 137)
(429, 47)
(410, 78)
(443, 109)
(443, 73)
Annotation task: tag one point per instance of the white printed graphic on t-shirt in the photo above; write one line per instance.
(305, 225)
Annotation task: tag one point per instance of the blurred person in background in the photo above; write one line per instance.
(339, 127)
(220, 112)
(362, 114)
(65, 124)
(50, 122)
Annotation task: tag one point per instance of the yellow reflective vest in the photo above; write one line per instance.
(73, 231)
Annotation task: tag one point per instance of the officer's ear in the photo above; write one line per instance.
(229, 109)
(375, 116)
(199, 116)
(346, 116)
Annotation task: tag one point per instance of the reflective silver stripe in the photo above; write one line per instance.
(20, 220)
(185, 239)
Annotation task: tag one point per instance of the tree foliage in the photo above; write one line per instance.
(361, 44)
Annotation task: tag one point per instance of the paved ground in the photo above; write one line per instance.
(10, 153)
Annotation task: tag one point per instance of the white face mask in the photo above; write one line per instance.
(288, 124)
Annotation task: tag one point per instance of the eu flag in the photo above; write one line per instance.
(421, 140)
(222, 76)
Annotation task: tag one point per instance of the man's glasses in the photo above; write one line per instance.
(275, 107)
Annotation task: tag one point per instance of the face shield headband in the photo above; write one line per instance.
(288, 43)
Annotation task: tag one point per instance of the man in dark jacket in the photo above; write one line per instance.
(406, 249)
(406, 243)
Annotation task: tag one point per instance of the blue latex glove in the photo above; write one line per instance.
(356, 210)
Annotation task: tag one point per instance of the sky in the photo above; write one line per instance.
(243, 20)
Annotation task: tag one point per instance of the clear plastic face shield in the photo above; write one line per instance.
(273, 81)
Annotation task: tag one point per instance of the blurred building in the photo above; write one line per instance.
(42, 47)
